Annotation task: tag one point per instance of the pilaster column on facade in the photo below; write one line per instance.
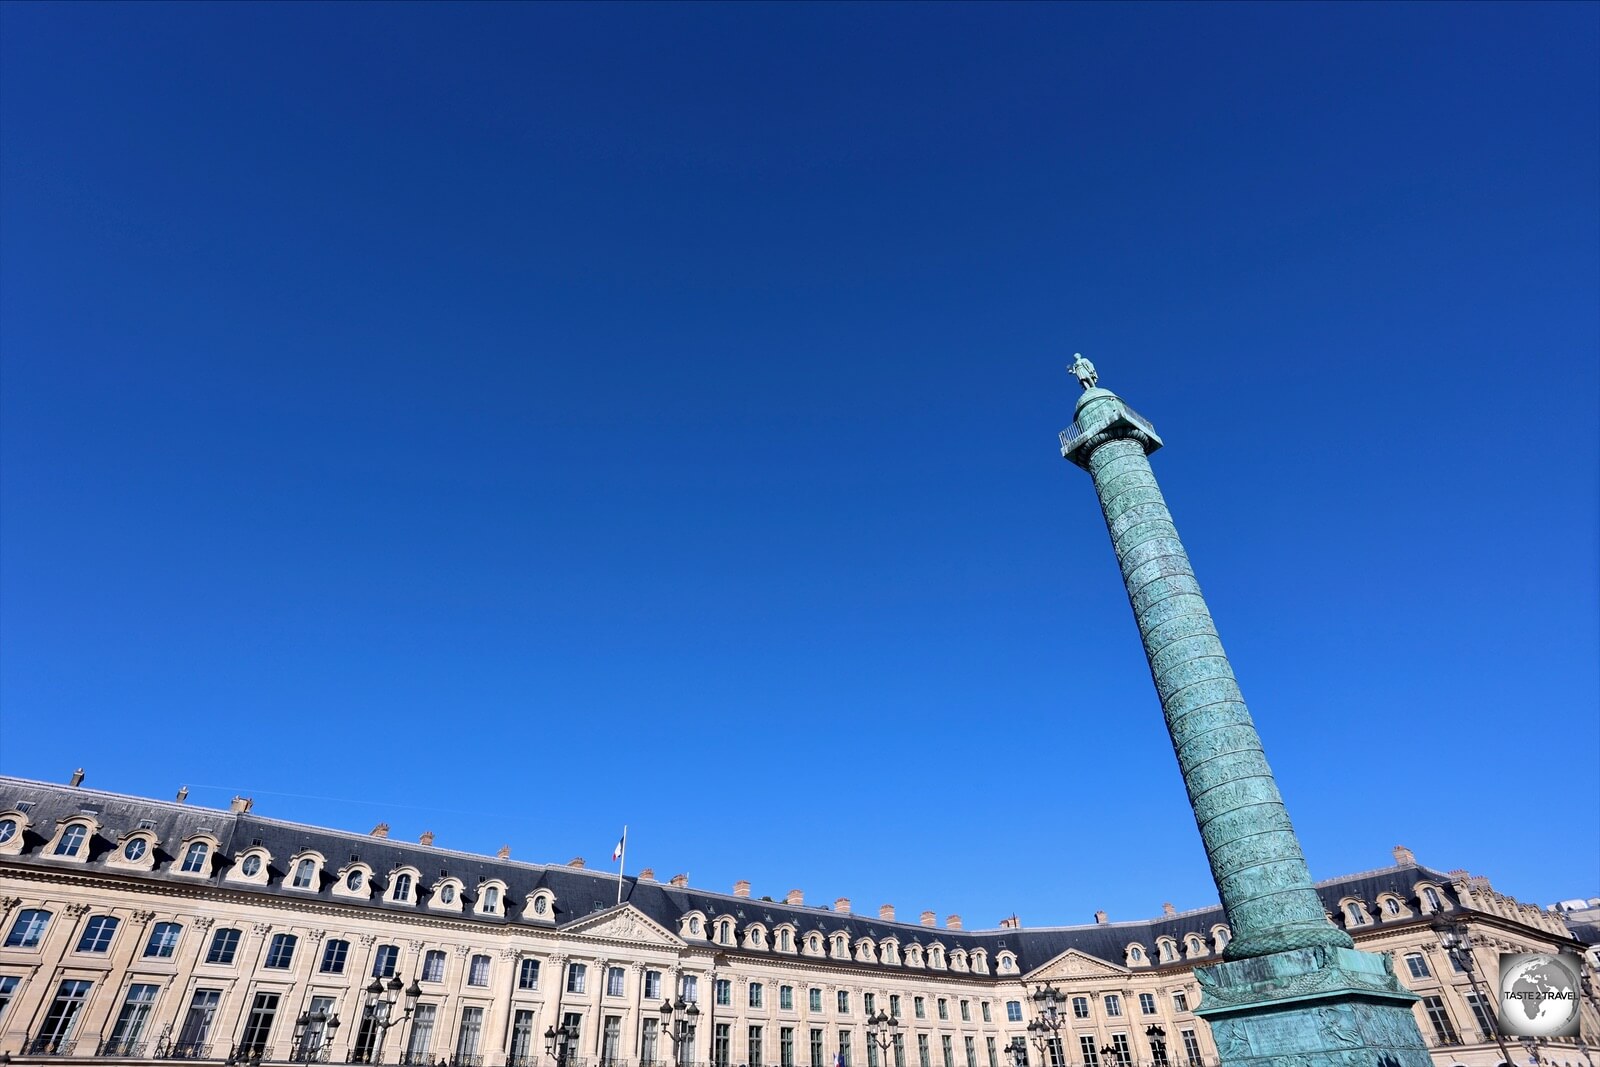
(1292, 984)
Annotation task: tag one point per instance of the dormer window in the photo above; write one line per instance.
(1430, 896)
(72, 840)
(305, 873)
(491, 900)
(194, 859)
(251, 865)
(402, 888)
(135, 848)
(1391, 906)
(354, 881)
(447, 895)
(8, 830)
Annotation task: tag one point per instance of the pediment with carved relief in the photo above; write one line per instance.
(1074, 964)
(624, 923)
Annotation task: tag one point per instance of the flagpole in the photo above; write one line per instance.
(622, 861)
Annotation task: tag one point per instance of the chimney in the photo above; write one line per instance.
(1403, 857)
(426, 838)
(952, 922)
(504, 853)
(576, 861)
(886, 912)
(77, 778)
(380, 830)
(240, 805)
(647, 875)
(1168, 910)
(1100, 917)
(183, 794)
(679, 881)
(741, 888)
(842, 905)
(795, 897)
(1011, 922)
(928, 918)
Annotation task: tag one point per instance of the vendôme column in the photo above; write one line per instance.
(1296, 986)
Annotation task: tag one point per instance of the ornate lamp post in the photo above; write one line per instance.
(378, 1004)
(314, 1032)
(1112, 1054)
(1047, 1024)
(559, 1042)
(1019, 1052)
(678, 1019)
(1158, 1045)
(1457, 942)
(882, 1030)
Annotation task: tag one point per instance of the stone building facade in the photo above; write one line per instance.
(143, 930)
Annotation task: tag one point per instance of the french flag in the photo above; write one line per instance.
(838, 1059)
(616, 853)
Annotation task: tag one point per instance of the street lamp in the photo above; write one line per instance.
(1112, 1053)
(882, 1030)
(1158, 1044)
(1456, 939)
(1047, 1023)
(378, 1006)
(313, 1033)
(1019, 1052)
(678, 1019)
(559, 1040)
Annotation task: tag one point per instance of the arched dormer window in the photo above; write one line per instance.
(1006, 962)
(724, 931)
(1166, 950)
(783, 938)
(541, 906)
(913, 955)
(1193, 946)
(936, 957)
(13, 824)
(1135, 956)
(813, 944)
(755, 937)
(1431, 899)
(354, 881)
(958, 959)
(137, 851)
(403, 887)
(70, 845)
(980, 961)
(889, 951)
(1220, 936)
(305, 871)
(841, 946)
(865, 951)
(196, 855)
(1355, 913)
(446, 895)
(253, 867)
(491, 897)
(692, 926)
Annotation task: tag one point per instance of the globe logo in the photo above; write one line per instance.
(1539, 994)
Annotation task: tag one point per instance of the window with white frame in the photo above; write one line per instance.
(334, 954)
(72, 839)
(577, 977)
(722, 991)
(224, 944)
(97, 933)
(163, 942)
(614, 981)
(1147, 1003)
(478, 971)
(652, 985)
(1080, 1007)
(1417, 965)
(433, 965)
(194, 860)
(280, 952)
(1113, 1005)
(755, 994)
(528, 975)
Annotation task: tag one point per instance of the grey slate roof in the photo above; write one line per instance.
(580, 892)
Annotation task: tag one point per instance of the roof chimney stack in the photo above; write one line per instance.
(1403, 857)
(647, 875)
(380, 830)
(426, 838)
(1011, 922)
(679, 881)
(886, 912)
(504, 853)
(576, 861)
(77, 778)
(842, 905)
(741, 888)
(240, 805)
(183, 794)
(1168, 910)
(1100, 917)
(795, 897)
(952, 922)
(928, 918)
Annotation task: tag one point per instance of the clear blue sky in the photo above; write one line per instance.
(515, 421)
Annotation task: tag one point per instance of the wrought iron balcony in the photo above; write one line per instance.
(50, 1045)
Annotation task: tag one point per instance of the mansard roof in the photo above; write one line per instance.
(580, 892)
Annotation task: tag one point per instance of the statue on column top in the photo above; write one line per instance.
(1084, 371)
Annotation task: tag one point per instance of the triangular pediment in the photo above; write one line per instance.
(1074, 964)
(624, 923)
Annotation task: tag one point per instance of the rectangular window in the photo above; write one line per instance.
(478, 971)
(1443, 1029)
(923, 1059)
(385, 961)
(994, 1057)
(523, 1045)
(844, 1048)
(333, 956)
(755, 997)
(1147, 1003)
(615, 979)
(1180, 1002)
(1191, 1048)
(1417, 965)
(816, 1042)
(814, 999)
(258, 1028)
(28, 930)
(1113, 1005)
(843, 997)
(610, 1040)
(872, 1052)
(1054, 1056)
(280, 953)
(55, 1033)
(652, 985)
(719, 1044)
(1481, 1014)
(971, 1044)
(163, 941)
(8, 989)
(577, 977)
(649, 1036)
(1013, 1011)
(986, 1017)
(689, 988)
(786, 998)
(420, 1045)
(944, 1008)
(433, 966)
(97, 933)
(754, 1039)
(469, 1035)
(194, 860)
(224, 943)
(1119, 1042)
(966, 1011)
(919, 1007)
(196, 1029)
(722, 989)
(1080, 1007)
(128, 1033)
(894, 1005)
(1158, 1053)
(899, 1050)
(786, 1047)
(528, 976)
(869, 1003)
(946, 1047)
(314, 1035)
(1087, 1049)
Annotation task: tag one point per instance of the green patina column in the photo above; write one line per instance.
(1294, 990)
